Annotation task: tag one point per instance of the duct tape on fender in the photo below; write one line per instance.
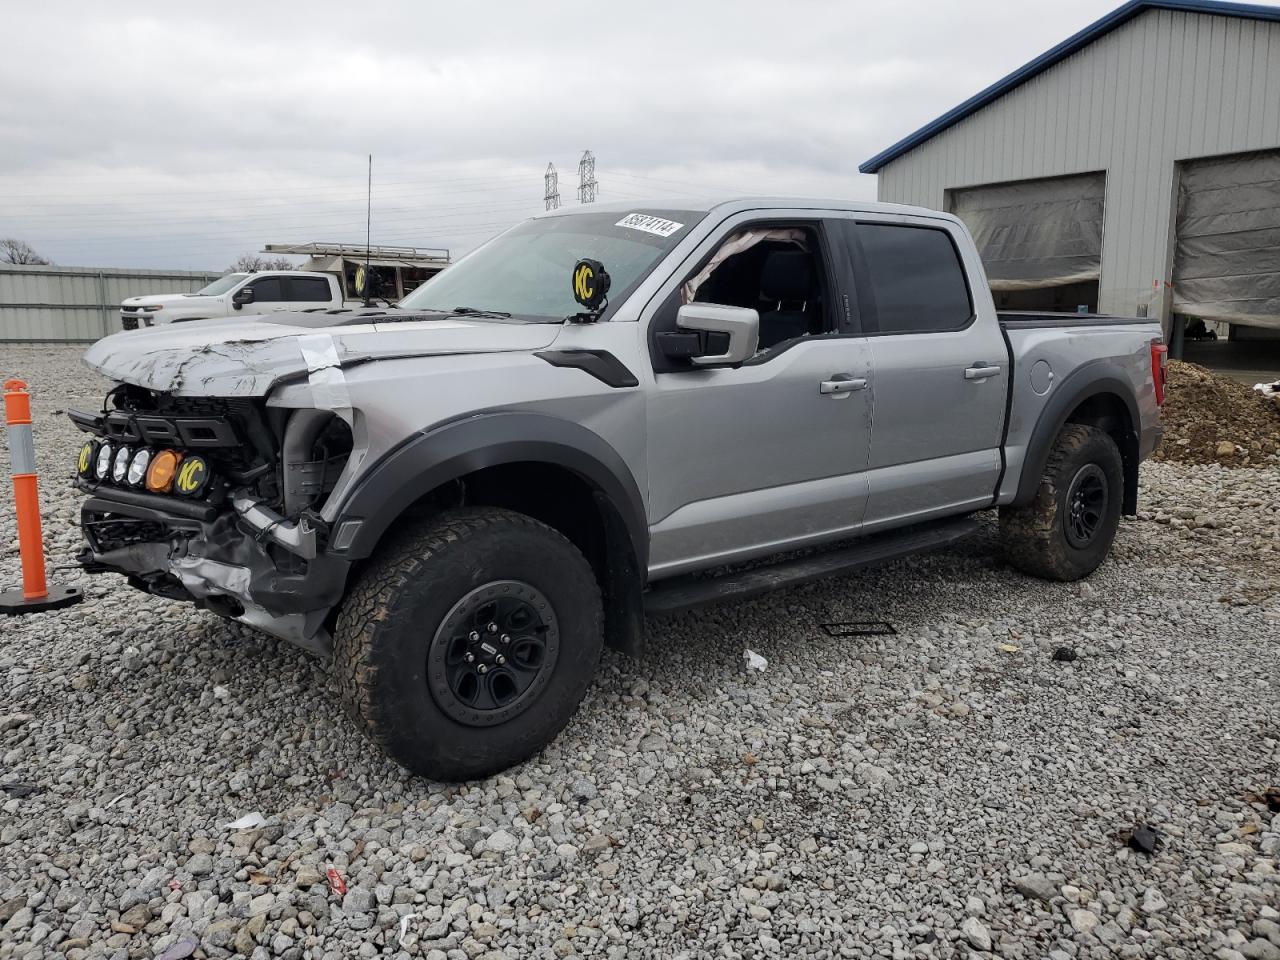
(324, 372)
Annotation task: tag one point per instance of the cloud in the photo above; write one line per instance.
(151, 134)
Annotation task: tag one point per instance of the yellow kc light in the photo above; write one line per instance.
(192, 478)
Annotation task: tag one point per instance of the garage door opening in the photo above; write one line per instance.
(1226, 261)
(1040, 240)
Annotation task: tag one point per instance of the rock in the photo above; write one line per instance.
(11, 906)
(137, 916)
(11, 721)
(500, 842)
(874, 776)
(1036, 886)
(200, 865)
(307, 875)
(1083, 921)
(1260, 949)
(1153, 901)
(358, 900)
(976, 933)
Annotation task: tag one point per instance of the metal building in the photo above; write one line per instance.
(78, 304)
(1133, 168)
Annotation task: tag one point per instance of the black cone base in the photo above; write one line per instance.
(60, 595)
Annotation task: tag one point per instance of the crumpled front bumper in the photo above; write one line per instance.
(240, 559)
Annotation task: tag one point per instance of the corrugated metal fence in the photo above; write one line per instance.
(78, 304)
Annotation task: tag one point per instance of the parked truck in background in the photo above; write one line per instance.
(249, 294)
(332, 276)
(603, 413)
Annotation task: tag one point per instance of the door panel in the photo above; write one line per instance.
(940, 372)
(746, 462)
(773, 454)
(935, 445)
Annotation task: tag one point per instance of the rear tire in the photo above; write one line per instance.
(469, 642)
(1067, 530)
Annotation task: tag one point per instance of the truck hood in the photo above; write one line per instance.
(168, 299)
(247, 356)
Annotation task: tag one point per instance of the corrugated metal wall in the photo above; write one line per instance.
(1167, 86)
(78, 304)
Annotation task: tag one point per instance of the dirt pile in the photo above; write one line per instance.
(1211, 419)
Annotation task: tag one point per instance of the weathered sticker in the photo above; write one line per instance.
(649, 224)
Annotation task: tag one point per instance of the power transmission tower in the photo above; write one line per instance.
(551, 187)
(587, 177)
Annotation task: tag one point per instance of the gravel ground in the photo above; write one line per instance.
(946, 792)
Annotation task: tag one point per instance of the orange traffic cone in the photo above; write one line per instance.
(35, 594)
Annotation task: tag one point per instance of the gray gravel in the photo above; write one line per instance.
(943, 793)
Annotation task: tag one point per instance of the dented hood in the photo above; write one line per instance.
(246, 356)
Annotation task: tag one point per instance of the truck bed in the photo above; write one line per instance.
(1049, 353)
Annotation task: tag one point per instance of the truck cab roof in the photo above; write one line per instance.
(732, 205)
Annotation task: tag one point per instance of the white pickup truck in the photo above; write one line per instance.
(271, 291)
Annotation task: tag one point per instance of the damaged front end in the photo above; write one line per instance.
(217, 501)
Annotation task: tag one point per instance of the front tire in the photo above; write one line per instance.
(469, 642)
(1067, 530)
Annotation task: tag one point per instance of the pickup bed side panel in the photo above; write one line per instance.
(1059, 367)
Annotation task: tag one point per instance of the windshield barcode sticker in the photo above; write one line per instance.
(649, 224)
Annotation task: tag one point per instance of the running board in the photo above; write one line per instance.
(684, 593)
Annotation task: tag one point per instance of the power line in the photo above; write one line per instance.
(587, 177)
(551, 188)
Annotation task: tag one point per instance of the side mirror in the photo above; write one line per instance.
(711, 323)
(241, 297)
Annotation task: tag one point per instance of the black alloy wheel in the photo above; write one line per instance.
(493, 653)
(1086, 505)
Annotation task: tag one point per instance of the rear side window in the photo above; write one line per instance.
(267, 290)
(308, 289)
(916, 278)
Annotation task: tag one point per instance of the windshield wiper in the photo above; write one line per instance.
(477, 312)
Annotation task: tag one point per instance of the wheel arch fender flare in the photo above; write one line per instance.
(1094, 379)
(429, 459)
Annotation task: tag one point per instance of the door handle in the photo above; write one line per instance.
(981, 371)
(842, 384)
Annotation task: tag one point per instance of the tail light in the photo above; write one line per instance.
(1159, 355)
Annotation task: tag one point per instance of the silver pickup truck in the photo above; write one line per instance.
(600, 414)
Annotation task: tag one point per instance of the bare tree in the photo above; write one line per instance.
(253, 262)
(18, 251)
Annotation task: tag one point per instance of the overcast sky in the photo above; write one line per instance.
(166, 135)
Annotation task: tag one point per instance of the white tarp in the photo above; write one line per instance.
(740, 241)
(1226, 265)
(1036, 233)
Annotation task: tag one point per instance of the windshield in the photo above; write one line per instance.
(221, 285)
(527, 271)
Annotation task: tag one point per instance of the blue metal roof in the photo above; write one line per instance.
(1066, 48)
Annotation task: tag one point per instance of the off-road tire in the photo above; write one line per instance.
(390, 617)
(1035, 536)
